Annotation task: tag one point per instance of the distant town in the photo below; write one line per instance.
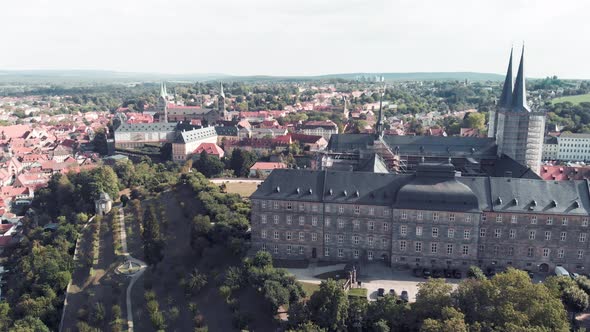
(361, 202)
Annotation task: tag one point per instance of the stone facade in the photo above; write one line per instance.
(502, 232)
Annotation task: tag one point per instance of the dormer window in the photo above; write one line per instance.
(310, 191)
(515, 201)
(357, 194)
(576, 204)
(345, 193)
(499, 200)
(331, 192)
(298, 190)
(553, 203)
(278, 189)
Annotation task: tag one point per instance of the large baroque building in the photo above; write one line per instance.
(432, 218)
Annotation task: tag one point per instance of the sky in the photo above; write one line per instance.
(296, 37)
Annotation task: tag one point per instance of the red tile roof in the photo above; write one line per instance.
(563, 173)
(15, 131)
(210, 149)
(261, 165)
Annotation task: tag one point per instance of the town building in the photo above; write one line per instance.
(187, 142)
(432, 218)
(136, 135)
(319, 128)
(550, 148)
(265, 168)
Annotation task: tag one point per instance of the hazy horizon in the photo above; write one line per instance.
(303, 38)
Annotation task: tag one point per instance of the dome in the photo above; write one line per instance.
(445, 194)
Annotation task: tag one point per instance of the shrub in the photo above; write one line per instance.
(225, 293)
(173, 313)
(97, 315)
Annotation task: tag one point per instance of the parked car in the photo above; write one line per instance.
(392, 292)
(380, 292)
(457, 274)
(437, 273)
(448, 273)
(530, 273)
(404, 296)
(426, 273)
(417, 273)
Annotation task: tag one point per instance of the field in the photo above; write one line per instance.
(573, 99)
(309, 288)
(245, 189)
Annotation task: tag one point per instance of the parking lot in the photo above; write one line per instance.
(372, 277)
(376, 275)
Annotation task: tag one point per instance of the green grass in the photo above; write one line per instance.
(309, 288)
(360, 292)
(573, 99)
(244, 189)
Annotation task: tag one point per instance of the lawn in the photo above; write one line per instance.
(572, 99)
(309, 288)
(360, 292)
(244, 189)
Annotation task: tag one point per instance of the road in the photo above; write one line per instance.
(235, 180)
(134, 276)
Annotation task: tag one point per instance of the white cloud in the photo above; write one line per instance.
(295, 37)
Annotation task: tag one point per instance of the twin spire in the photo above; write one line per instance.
(514, 98)
(163, 92)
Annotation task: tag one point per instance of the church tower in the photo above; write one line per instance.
(162, 106)
(223, 113)
(504, 102)
(379, 126)
(519, 129)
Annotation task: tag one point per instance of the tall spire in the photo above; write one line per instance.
(379, 126)
(221, 90)
(163, 92)
(519, 103)
(506, 97)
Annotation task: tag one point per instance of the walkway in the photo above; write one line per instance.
(134, 276)
(63, 311)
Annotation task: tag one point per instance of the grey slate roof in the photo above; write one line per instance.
(146, 127)
(431, 188)
(196, 134)
(227, 131)
(419, 145)
(540, 196)
(506, 164)
(347, 142)
(442, 146)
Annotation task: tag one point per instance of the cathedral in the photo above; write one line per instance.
(167, 111)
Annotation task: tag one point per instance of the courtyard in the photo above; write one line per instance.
(374, 276)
